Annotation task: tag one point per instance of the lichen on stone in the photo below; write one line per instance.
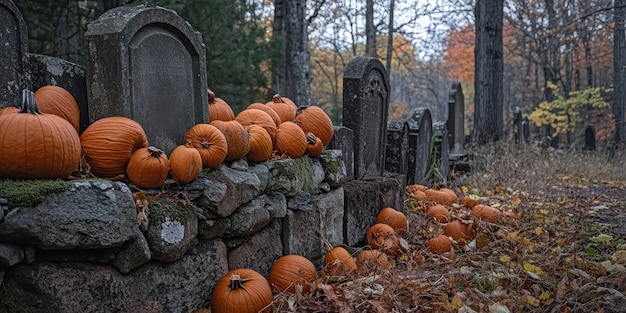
(29, 193)
(300, 170)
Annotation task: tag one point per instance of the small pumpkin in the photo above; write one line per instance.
(314, 145)
(60, 102)
(219, 109)
(210, 142)
(266, 109)
(384, 237)
(284, 107)
(148, 167)
(249, 117)
(261, 147)
(439, 213)
(369, 261)
(393, 218)
(185, 164)
(290, 140)
(291, 270)
(37, 145)
(237, 138)
(315, 120)
(440, 244)
(338, 260)
(469, 201)
(461, 233)
(241, 291)
(438, 196)
(452, 197)
(109, 142)
(487, 213)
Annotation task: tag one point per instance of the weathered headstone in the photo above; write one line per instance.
(456, 121)
(148, 64)
(365, 106)
(590, 138)
(420, 135)
(442, 152)
(343, 140)
(13, 49)
(396, 157)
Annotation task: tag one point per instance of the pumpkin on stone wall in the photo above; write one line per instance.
(266, 109)
(241, 291)
(258, 117)
(261, 147)
(218, 109)
(185, 164)
(237, 138)
(148, 168)
(60, 102)
(314, 145)
(37, 145)
(210, 142)
(290, 140)
(284, 107)
(315, 120)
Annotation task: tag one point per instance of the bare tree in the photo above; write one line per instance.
(370, 30)
(619, 62)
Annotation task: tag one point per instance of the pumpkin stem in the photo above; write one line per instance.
(206, 144)
(328, 246)
(277, 99)
(310, 138)
(29, 104)
(155, 152)
(211, 96)
(236, 282)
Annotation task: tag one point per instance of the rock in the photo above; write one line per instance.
(172, 229)
(301, 201)
(10, 255)
(132, 254)
(335, 173)
(290, 176)
(210, 228)
(89, 215)
(249, 218)
(276, 204)
(259, 251)
(263, 173)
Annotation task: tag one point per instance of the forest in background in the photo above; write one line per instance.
(558, 52)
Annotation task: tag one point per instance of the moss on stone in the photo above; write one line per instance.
(161, 208)
(300, 170)
(28, 193)
(332, 166)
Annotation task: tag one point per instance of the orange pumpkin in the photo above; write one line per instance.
(459, 231)
(438, 196)
(315, 120)
(485, 212)
(314, 145)
(290, 140)
(266, 109)
(249, 117)
(382, 236)
(185, 164)
(241, 291)
(440, 244)
(291, 270)
(338, 260)
(369, 261)
(8, 110)
(393, 218)
(452, 197)
(35, 145)
(469, 202)
(60, 102)
(108, 144)
(148, 168)
(237, 138)
(439, 213)
(284, 107)
(210, 142)
(219, 109)
(260, 144)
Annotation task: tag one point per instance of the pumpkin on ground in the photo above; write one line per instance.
(37, 145)
(148, 168)
(249, 117)
(266, 109)
(291, 270)
(284, 107)
(314, 145)
(290, 140)
(241, 291)
(210, 142)
(218, 109)
(338, 260)
(260, 144)
(393, 218)
(439, 196)
(487, 213)
(60, 102)
(439, 213)
(315, 120)
(369, 261)
(108, 144)
(460, 232)
(237, 138)
(384, 237)
(185, 164)
(440, 244)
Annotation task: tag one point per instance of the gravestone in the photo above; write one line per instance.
(13, 49)
(456, 121)
(442, 152)
(343, 140)
(420, 133)
(590, 138)
(396, 157)
(148, 64)
(365, 107)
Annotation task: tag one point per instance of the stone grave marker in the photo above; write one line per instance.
(13, 49)
(420, 134)
(365, 106)
(148, 64)
(456, 121)
(442, 152)
(396, 157)
(590, 138)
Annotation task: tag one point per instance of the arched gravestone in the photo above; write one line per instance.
(365, 106)
(396, 157)
(420, 133)
(148, 64)
(442, 149)
(13, 49)
(456, 121)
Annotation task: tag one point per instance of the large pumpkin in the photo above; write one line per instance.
(219, 109)
(290, 140)
(260, 144)
(461, 233)
(393, 218)
(291, 270)
(315, 120)
(266, 109)
(37, 145)
(185, 164)
(384, 237)
(284, 107)
(60, 102)
(237, 138)
(9, 110)
(249, 117)
(210, 142)
(108, 144)
(369, 261)
(241, 291)
(439, 244)
(148, 168)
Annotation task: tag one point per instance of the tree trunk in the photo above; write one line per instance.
(298, 87)
(619, 62)
(370, 30)
(279, 66)
(488, 101)
(390, 38)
